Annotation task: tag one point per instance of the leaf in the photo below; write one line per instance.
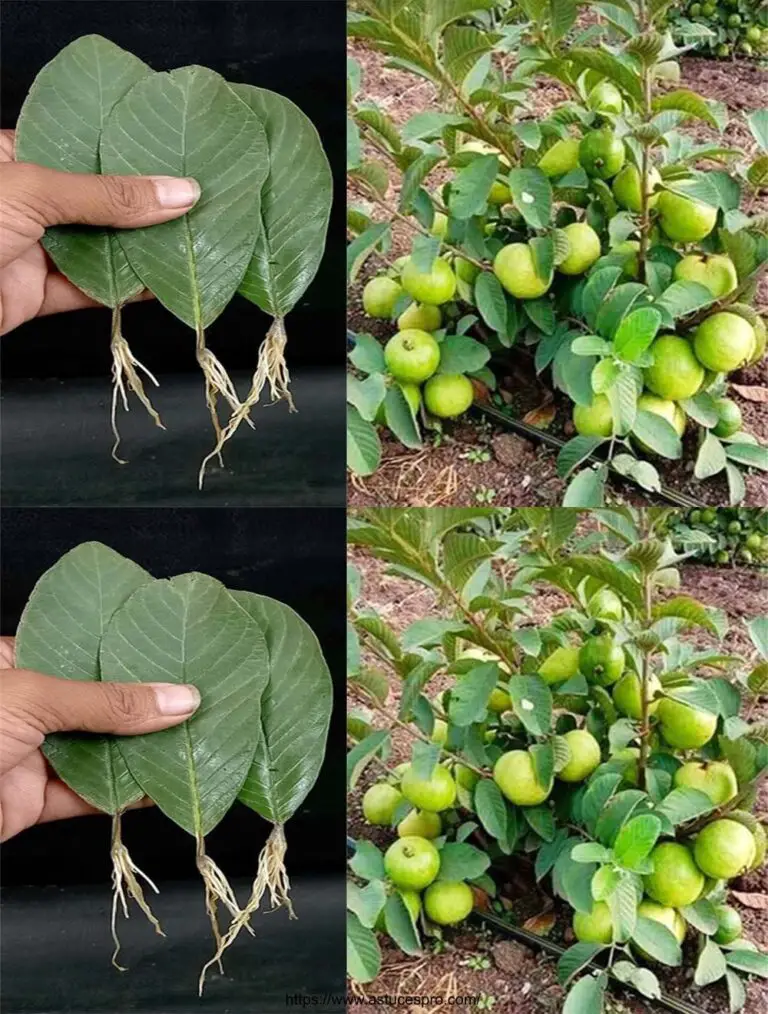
(59, 634)
(470, 186)
(491, 808)
(188, 122)
(748, 961)
(609, 66)
(757, 629)
(461, 861)
(710, 966)
(415, 175)
(363, 445)
(469, 696)
(608, 573)
(363, 246)
(462, 46)
(461, 354)
(636, 332)
(363, 953)
(682, 805)
(574, 452)
(366, 395)
(367, 862)
(575, 958)
(682, 298)
(295, 204)
(596, 290)
(532, 193)
(189, 629)
(587, 488)
(366, 902)
(587, 996)
(636, 839)
(59, 126)
(737, 994)
(532, 703)
(688, 102)
(295, 711)
(688, 609)
(491, 301)
(748, 454)
(397, 919)
(711, 457)
(399, 416)
(658, 434)
(658, 941)
(757, 122)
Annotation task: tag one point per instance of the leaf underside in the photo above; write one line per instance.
(189, 630)
(296, 203)
(59, 127)
(59, 634)
(189, 123)
(296, 709)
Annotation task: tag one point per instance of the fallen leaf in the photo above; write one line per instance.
(751, 900)
(751, 393)
(482, 900)
(541, 416)
(482, 392)
(541, 924)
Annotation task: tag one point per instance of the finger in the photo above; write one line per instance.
(50, 197)
(48, 704)
(61, 295)
(7, 652)
(61, 802)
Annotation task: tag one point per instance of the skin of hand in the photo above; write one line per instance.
(32, 705)
(33, 197)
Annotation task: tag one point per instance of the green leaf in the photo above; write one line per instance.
(367, 862)
(636, 332)
(596, 290)
(415, 175)
(575, 958)
(491, 808)
(532, 193)
(587, 995)
(541, 313)
(609, 66)
(657, 941)
(397, 919)
(682, 805)
(608, 573)
(469, 695)
(757, 629)
(295, 711)
(491, 301)
(542, 820)
(574, 452)
(463, 552)
(562, 17)
(659, 434)
(366, 395)
(363, 246)
(424, 251)
(757, 122)
(59, 634)
(399, 416)
(363, 445)
(590, 852)
(354, 145)
(60, 126)
(737, 994)
(193, 264)
(636, 839)
(362, 753)
(189, 629)
(643, 979)
(532, 703)
(462, 47)
(470, 186)
(428, 124)
(688, 609)
(751, 455)
(682, 298)
(363, 953)
(295, 204)
(687, 102)
(461, 861)
(702, 916)
(366, 902)
(618, 304)
(587, 488)
(368, 354)
(752, 962)
(711, 965)
(461, 354)
(711, 457)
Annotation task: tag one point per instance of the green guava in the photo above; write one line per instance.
(420, 823)
(412, 356)
(584, 249)
(676, 880)
(515, 268)
(434, 794)
(439, 731)
(628, 191)
(629, 756)
(684, 219)
(728, 416)
(630, 249)
(627, 695)
(448, 395)
(715, 271)
(515, 775)
(676, 373)
(668, 917)
(484, 148)
(585, 756)
(439, 225)
(605, 604)
(484, 655)
(561, 665)
(601, 660)
(447, 902)
(465, 777)
(728, 924)
(380, 803)
(724, 342)
(605, 97)
(724, 849)
(380, 296)
(420, 316)
(716, 778)
(595, 927)
(561, 158)
(465, 270)
(683, 726)
(595, 420)
(499, 193)
(412, 863)
(601, 153)
(432, 287)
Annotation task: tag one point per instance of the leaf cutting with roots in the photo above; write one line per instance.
(124, 879)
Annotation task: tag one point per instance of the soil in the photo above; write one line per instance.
(476, 461)
(475, 960)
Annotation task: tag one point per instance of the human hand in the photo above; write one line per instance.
(32, 705)
(33, 197)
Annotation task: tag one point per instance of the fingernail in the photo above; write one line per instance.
(176, 193)
(176, 700)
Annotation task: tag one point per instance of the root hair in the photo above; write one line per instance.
(125, 378)
(217, 889)
(217, 382)
(124, 881)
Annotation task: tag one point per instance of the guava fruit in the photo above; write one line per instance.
(630, 249)
(628, 191)
(439, 225)
(665, 408)
(601, 153)
(761, 845)
(447, 395)
(684, 726)
(584, 249)
(595, 420)
(627, 695)
(412, 863)
(420, 316)
(601, 660)
(447, 902)
(484, 148)
(676, 880)
(595, 927)
(605, 97)
(724, 849)
(515, 775)
(761, 334)
(434, 794)
(716, 778)
(665, 915)
(499, 701)
(585, 756)
(561, 158)
(439, 731)
(412, 356)
(499, 193)
(421, 823)
(724, 342)
(484, 655)
(715, 271)
(465, 777)
(465, 270)
(432, 287)
(380, 296)
(728, 416)
(561, 665)
(728, 924)
(684, 219)
(605, 604)
(676, 373)
(629, 755)
(380, 803)
(754, 35)
(515, 268)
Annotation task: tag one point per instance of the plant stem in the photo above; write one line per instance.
(645, 216)
(645, 728)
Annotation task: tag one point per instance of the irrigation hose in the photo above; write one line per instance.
(534, 433)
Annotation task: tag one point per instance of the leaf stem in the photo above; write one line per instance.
(645, 728)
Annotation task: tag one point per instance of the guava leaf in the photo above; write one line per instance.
(295, 711)
(60, 126)
(295, 204)
(59, 634)
(190, 630)
(189, 123)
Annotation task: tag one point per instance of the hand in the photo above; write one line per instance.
(32, 705)
(34, 197)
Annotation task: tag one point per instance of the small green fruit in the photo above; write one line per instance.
(729, 417)
(676, 373)
(676, 880)
(628, 698)
(585, 756)
(439, 225)
(628, 192)
(433, 287)
(605, 97)
(584, 249)
(561, 665)
(601, 660)
(715, 271)
(448, 902)
(665, 915)
(380, 803)
(683, 726)
(605, 604)
(434, 794)
(465, 270)
(728, 924)
(379, 297)
(724, 342)
(421, 317)
(716, 778)
(515, 268)
(595, 927)
(601, 154)
(515, 775)
(448, 395)
(412, 863)
(595, 420)
(724, 849)
(665, 409)
(421, 823)
(412, 356)
(684, 219)
(561, 158)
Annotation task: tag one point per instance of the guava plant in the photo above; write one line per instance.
(601, 239)
(725, 535)
(602, 743)
(733, 28)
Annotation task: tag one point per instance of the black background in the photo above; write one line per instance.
(295, 47)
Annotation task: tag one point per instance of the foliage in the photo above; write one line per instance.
(565, 234)
(724, 535)
(735, 28)
(601, 782)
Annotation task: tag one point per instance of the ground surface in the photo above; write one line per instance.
(521, 980)
(508, 469)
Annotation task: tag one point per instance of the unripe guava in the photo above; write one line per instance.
(585, 756)
(439, 225)
(728, 924)
(420, 316)
(584, 249)
(434, 794)
(421, 823)
(676, 373)
(724, 849)
(724, 342)
(605, 97)
(439, 731)
(412, 863)
(595, 420)
(715, 271)
(664, 408)
(601, 660)
(716, 778)
(515, 268)
(447, 902)
(595, 927)
(601, 153)
(432, 287)
(448, 395)
(605, 604)
(729, 417)
(561, 158)
(684, 219)
(515, 775)
(412, 356)
(668, 917)
(380, 803)
(684, 726)
(628, 191)
(627, 695)
(676, 880)
(465, 270)
(380, 296)
(561, 665)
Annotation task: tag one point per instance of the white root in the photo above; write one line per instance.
(217, 889)
(124, 881)
(125, 378)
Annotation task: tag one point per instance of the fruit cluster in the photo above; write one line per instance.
(738, 27)
(734, 535)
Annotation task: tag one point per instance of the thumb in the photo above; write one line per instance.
(49, 704)
(51, 197)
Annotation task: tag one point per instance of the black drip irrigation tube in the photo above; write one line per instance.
(534, 433)
(536, 942)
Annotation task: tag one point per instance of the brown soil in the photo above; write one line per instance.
(477, 960)
(517, 471)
